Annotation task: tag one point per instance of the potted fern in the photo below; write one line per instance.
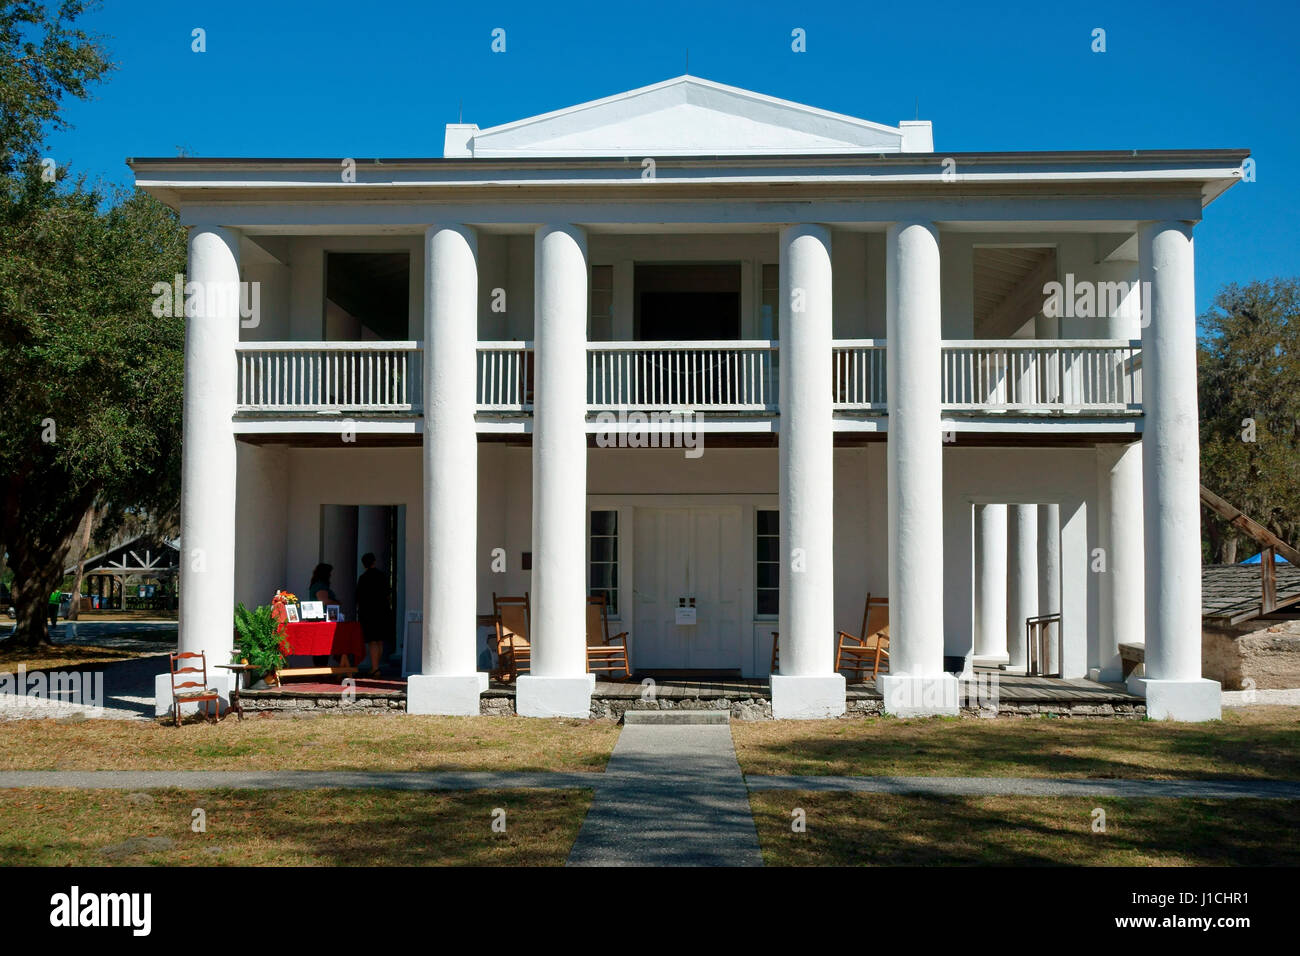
(259, 640)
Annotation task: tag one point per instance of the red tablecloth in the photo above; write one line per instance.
(323, 637)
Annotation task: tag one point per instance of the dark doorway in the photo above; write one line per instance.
(689, 303)
(367, 292)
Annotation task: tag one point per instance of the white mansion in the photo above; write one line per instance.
(693, 342)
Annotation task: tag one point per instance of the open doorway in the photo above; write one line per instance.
(687, 302)
(347, 534)
(367, 296)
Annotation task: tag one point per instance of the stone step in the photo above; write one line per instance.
(677, 717)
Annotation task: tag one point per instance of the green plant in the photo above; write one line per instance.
(259, 638)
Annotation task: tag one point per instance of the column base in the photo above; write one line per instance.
(799, 697)
(1187, 700)
(907, 696)
(163, 700)
(537, 696)
(451, 694)
(990, 660)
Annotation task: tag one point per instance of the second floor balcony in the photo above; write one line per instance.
(993, 378)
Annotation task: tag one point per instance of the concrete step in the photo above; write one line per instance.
(677, 717)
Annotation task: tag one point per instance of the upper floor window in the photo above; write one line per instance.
(601, 324)
(770, 303)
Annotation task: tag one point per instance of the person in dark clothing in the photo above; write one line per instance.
(374, 610)
(319, 589)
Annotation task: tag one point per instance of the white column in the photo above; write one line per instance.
(807, 686)
(1125, 572)
(559, 685)
(916, 683)
(1049, 576)
(1171, 480)
(448, 682)
(1022, 578)
(990, 584)
(208, 461)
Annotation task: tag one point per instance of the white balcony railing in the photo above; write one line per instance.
(1068, 375)
(505, 376)
(858, 375)
(738, 376)
(735, 376)
(328, 376)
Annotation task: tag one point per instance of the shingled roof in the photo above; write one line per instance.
(1230, 593)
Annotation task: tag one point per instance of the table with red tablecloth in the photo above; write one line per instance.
(341, 639)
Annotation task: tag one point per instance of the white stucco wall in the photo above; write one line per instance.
(261, 522)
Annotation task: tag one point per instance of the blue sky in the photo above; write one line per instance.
(381, 78)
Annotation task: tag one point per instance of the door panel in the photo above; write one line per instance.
(683, 553)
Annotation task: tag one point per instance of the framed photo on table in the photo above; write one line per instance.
(313, 610)
(291, 614)
(331, 612)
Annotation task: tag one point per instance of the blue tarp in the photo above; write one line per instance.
(1277, 559)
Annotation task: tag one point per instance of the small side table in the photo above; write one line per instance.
(237, 670)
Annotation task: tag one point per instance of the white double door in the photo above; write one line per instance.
(680, 554)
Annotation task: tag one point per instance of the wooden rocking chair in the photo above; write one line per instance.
(514, 648)
(866, 652)
(605, 654)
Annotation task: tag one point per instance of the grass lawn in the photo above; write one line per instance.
(288, 828)
(327, 742)
(1255, 742)
(67, 657)
(877, 829)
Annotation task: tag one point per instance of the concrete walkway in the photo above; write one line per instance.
(672, 795)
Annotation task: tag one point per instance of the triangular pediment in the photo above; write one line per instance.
(685, 116)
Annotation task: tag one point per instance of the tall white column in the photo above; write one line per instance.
(807, 686)
(208, 460)
(1049, 576)
(1125, 571)
(991, 584)
(559, 685)
(1022, 578)
(916, 683)
(448, 682)
(1171, 480)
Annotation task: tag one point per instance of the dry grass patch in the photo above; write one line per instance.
(67, 657)
(288, 828)
(326, 742)
(845, 829)
(1256, 742)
